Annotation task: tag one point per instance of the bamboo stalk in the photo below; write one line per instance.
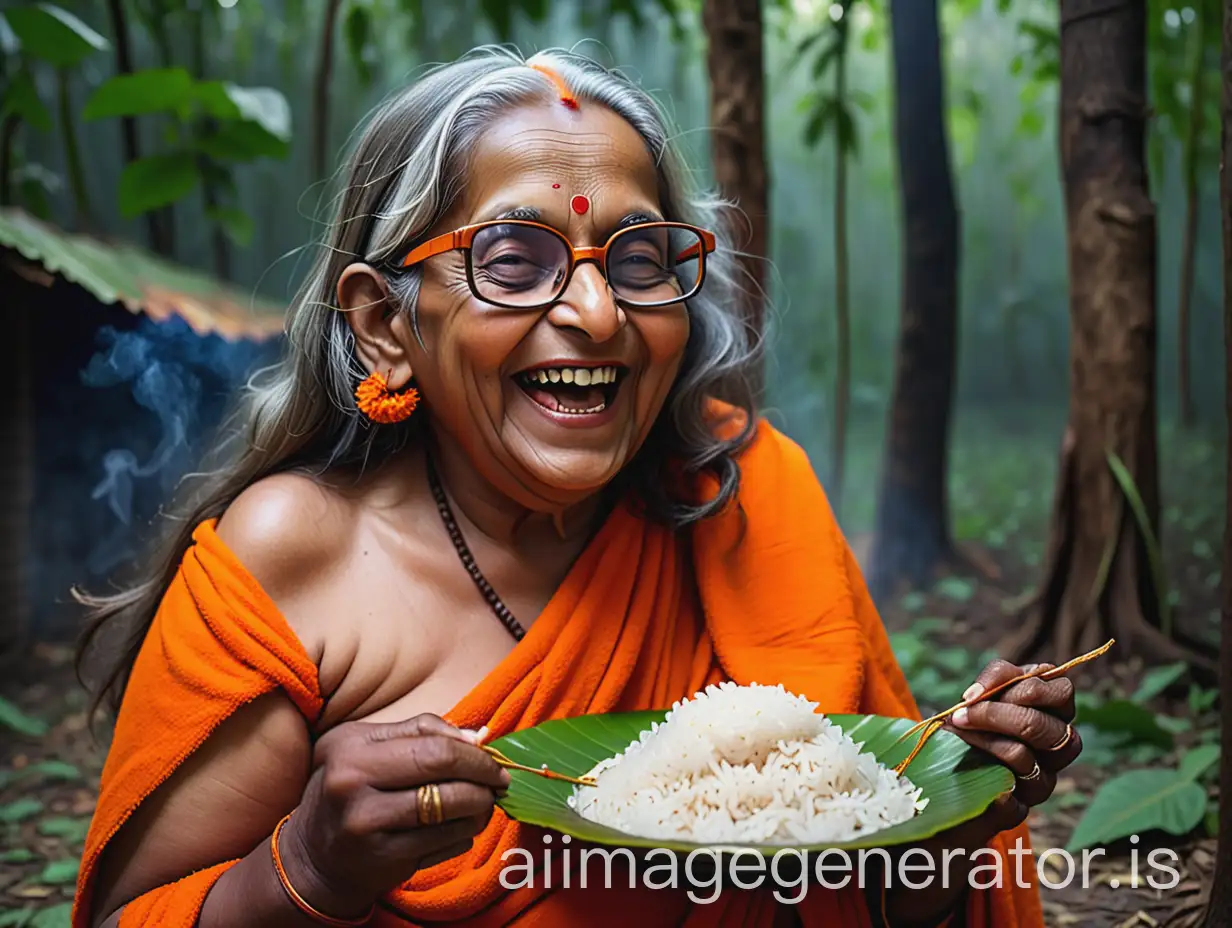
(931, 726)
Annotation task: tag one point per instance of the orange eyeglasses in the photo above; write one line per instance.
(519, 264)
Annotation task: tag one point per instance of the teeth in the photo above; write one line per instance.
(582, 376)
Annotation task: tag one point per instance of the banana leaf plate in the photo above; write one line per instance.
(958, 782)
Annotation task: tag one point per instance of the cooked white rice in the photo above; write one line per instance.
(746, 765)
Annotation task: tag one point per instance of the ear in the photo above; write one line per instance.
(380, 333)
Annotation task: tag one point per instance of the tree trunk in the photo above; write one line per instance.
(1098, 579)
(912, 534)
(17, 482)
(734, 59)
(320, 90)
(1219, 908)
(1193, 146)
(154, 220)
(842, 306)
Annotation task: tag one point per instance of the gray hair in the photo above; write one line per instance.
(408, 169)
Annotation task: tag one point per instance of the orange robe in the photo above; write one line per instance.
(767, 592)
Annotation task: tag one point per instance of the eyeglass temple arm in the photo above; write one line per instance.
(436, 246)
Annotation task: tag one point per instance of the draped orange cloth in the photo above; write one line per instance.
(766, 592)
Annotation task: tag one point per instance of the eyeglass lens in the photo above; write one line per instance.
(522, 265)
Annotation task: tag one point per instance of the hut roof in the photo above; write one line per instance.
(116, 272)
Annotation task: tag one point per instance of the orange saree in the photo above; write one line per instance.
(767, 592)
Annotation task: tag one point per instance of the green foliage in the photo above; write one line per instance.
(20, 809)
(13, 718)
(1154, 554)
(1143, 800)
(53, 35)
(1157, 680)
(59, 871)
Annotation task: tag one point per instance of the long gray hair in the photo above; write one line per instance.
(407, 170)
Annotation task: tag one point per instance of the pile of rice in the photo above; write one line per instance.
(746, 765)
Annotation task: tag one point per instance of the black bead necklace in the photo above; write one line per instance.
(468, 560)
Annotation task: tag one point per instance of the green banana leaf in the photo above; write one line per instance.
(958, 782)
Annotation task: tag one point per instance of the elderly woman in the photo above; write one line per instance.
(489, 485)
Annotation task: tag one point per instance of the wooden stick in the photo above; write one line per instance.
(538, 771)
(931, 725)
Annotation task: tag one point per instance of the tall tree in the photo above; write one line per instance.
(735, 60)
(1219, 909)
(1101, 575)
(912, 534)
(320, 89)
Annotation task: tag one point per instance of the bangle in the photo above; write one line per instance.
(301, 903)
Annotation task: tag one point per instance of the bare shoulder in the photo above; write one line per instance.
(289, 531)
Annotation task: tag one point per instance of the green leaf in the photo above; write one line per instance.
(955, 588)
(71, 830)
(18, 855)
(13, 718)
(236, 223)
(54, 35)
(1198, 760)
(1136, 802)
(1157, 680)
(151, 91)
(1123, 716)
(956, 792)
(21, 98)
(16, 918)
(149, 183)
(56, 770)
(20, 809)
(1154, 556)
(57, 916)
(241, 141)
(59, 871)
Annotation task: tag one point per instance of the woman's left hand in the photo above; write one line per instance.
(1028, 727)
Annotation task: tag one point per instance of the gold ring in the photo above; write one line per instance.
(438, 813)
(1033, 775)
(428, 804)
(1069, 733)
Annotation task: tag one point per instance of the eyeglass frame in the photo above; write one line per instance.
(463, 238)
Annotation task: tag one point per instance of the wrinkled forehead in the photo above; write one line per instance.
(542, 156)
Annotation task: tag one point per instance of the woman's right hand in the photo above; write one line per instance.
(357, 832)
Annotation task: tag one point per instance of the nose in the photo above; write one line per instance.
(587, 306)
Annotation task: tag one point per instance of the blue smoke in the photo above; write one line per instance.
(186, 381)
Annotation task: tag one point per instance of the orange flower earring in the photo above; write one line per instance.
(376, 401)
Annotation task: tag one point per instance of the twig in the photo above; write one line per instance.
(930, 726)
(538, 771)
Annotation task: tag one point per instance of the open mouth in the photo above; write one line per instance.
(572, 391)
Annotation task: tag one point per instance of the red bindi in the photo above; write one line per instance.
(580, 204)
(556, 186)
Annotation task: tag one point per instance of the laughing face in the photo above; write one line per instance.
(548, 403)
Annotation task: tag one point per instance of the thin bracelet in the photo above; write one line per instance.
(302, 903)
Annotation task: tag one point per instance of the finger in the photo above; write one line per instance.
(1009, 751)
(996, 673)
(1038, 729)
(399, 811)
(1056, 759)
(406, 762)
(1053, 696)
(1034, 783)
(344, 738)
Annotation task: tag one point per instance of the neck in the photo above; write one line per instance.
(496, 515)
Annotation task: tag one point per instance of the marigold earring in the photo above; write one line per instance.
(376, 401)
